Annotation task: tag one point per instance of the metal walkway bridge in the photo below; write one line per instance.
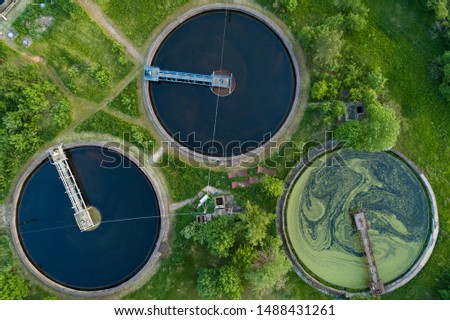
(82, 216)
(377, 286)
(214, 80)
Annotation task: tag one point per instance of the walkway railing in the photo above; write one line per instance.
(155, 74)
(82, 216)
(377, 286)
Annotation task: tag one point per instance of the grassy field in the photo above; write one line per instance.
(127, 101)
(5, 253)
(179, 175)
(87, 61)
(138, 18)
(397, 40)
(103, 122)
(400, 31)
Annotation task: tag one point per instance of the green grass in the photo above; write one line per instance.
(398, 41)
(127, 101)
(87, 61)
(399, 30)
(185, 181)
(103, 122)
(5, 252)
(138, 18)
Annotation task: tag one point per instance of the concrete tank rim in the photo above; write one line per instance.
(156, 184)
(299, 72)
(413, 270)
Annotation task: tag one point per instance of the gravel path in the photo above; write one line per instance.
(102, 20)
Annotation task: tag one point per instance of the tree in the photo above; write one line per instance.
(244, 256)
(324, 41)
(217, 283)
(208, 286)
(230, 282)
(327, 46)
(12, 286)
(319, 90)
(270, 268)
(356, 13)
(255, 222)
(290, 5)
(377, 132)
(355, 22)
(332, 111)
(375, 80)
(272, 186)
(219, 235)
(440, 8)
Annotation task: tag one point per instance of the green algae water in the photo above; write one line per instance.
(321, 230)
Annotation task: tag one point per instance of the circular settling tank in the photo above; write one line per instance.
(124, 204)
(211, 121)
(322, 234)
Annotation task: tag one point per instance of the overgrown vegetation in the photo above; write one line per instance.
(103, 122)
(399, 41)
(184, 181)
(32, 112)
(88, 62)
(12, 286)
(441, 28)
(127, 101)
(138, 18)
(338, 77)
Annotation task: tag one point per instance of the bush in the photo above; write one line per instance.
(378, 132)
(272, 186)
(12, 286)
(103, 122)
(290, 5)
(127, 101)
(32, 111)
(208, 286)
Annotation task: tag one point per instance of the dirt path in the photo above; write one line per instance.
(102, 20)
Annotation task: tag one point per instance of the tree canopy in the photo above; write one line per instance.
(32, 111)
(219, 235)
(12, 286)
(377, 132)
(272, 186)
(255, 224)
(269, 268)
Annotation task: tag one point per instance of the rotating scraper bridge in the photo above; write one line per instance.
(376, 286)
(155, 74)
(82, 216)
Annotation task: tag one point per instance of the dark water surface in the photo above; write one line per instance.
(260, 64)
(97, 259)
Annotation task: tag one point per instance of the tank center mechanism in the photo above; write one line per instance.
(221, 82)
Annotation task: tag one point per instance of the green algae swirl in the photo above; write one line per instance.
(321, 231)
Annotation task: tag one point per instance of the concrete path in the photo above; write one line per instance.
(178, 205)
(181, 204)
(103, 21)
(4, 217)
(210, 189)
(154, 158)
